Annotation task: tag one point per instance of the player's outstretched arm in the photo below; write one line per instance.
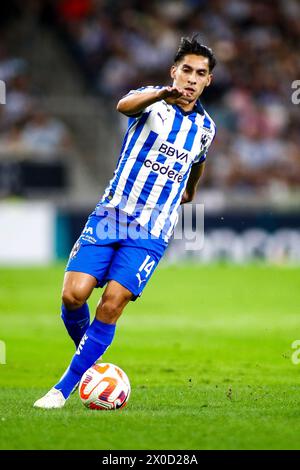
(135, 103)
(190, 190)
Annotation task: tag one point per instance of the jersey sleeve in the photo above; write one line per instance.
(143, 89)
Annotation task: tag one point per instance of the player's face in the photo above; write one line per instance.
(192, 74)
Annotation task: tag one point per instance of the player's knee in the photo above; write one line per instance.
(72, 300)
(110, 310)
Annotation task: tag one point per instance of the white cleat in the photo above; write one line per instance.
(53, 399)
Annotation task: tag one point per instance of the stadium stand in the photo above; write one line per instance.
(122, 45)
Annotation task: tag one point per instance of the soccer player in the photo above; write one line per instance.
(161, 161)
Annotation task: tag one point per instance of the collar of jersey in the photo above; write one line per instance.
(198, 108)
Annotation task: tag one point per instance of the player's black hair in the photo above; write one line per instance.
(192, 46)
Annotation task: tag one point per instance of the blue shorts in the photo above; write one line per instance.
(129, 261)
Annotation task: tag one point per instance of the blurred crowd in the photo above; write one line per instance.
(124, 44)
(33, 142)
(26, 128)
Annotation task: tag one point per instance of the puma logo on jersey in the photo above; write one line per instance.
(163, 119)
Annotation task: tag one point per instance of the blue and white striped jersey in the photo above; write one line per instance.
(160, 146)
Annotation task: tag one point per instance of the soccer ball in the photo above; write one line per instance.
(104, 387)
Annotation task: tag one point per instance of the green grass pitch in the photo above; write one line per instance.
(207, 350)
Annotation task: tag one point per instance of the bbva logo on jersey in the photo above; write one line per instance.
(172, 151)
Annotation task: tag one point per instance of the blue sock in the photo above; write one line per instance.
(76, 321)
(93, 344)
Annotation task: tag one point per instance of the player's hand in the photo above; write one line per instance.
(174, 95)
(185, 198)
